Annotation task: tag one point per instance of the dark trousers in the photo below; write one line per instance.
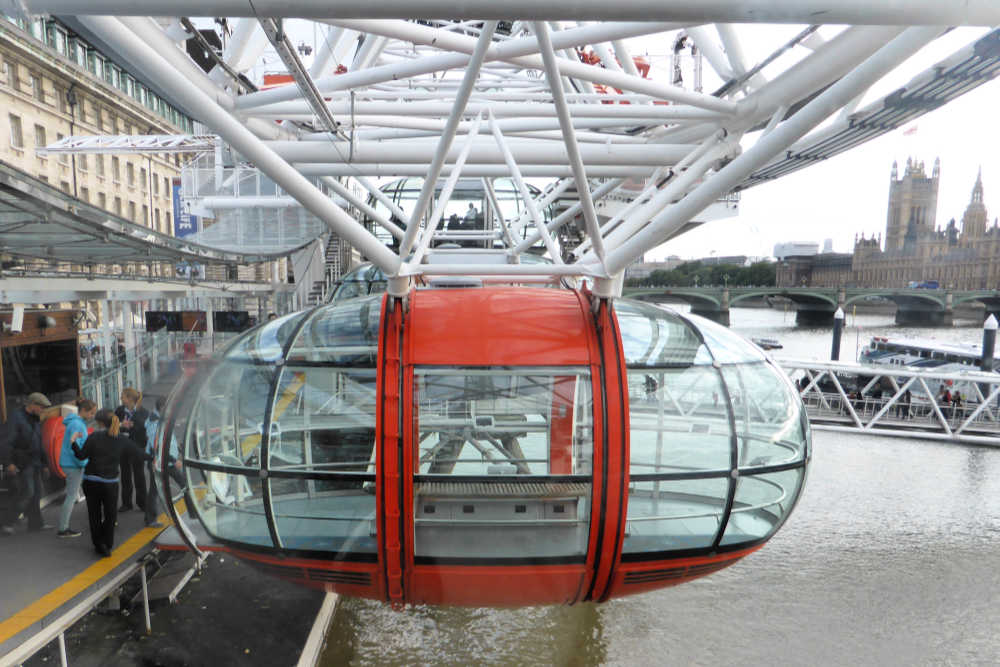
(102, 510)
(26, 494)
(133, 478)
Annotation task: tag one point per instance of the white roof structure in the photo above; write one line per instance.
(538, 90)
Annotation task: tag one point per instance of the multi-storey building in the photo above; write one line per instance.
(958, 256)
(54, 84)
(915, 248)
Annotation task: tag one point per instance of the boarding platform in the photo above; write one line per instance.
(50, 582)
(47, 583)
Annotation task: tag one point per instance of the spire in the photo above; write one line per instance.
(937, 168)
(977, 189)
(895, 171)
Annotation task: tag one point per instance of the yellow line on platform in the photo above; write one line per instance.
(45, 605)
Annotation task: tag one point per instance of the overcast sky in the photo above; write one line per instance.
(848, 194)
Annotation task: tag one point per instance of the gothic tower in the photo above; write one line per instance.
(974, 220)
(912, 201)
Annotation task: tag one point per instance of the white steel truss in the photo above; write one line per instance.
(127, 143)
(896, 401)
(520, 90)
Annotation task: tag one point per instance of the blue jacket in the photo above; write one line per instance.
(152, 425)
(74, 424)
(152, 428)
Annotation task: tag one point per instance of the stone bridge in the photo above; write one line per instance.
(816, 305)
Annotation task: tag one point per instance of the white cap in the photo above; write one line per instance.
(839, 315)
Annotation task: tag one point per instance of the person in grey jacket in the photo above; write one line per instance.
(24, 440)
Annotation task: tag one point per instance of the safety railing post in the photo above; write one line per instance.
(145, 598)
(62, 649)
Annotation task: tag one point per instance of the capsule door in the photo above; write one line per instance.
(498, 497)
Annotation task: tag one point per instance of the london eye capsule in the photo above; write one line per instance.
(491, 446)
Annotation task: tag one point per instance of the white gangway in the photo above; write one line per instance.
(862, 398)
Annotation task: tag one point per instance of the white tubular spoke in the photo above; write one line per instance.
(461, 98)
(602, 191)
(569, 136)
(870, 12)
(445, 196)
(613, 127)
(243, 140)
(529, 203)
(498, 212)
(666, 223)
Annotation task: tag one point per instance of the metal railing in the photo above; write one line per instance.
(899, 401)
(110, 371)
(56, 629)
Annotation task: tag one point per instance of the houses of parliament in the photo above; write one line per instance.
(916, 249)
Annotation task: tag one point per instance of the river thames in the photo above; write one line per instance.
(892, 557)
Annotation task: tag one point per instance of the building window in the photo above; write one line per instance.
(131, 211)
(16, 137)
(85, 194)
(156, 215)
(65, 186)
(37, 29)
(145, 215)
(78, 52)
(142, 179)
(40, 138)
(36, 88)
(81, 161)
(166, 187)
(156, 186)
(130, 174)
(99, 161)
(116, 173)
(102, 200)
(118, 206)
(13, 77)
(63, 157)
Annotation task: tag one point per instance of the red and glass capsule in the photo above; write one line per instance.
(491, 446)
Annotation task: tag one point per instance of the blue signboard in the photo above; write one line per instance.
(184, 223)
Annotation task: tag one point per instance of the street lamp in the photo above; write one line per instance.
(696, 281)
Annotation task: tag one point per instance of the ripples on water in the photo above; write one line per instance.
(892, 557)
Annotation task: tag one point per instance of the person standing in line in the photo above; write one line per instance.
(24, 438)
(132, 419)
(153, 425)
(903, 406)
(104, 449)
(73, 467)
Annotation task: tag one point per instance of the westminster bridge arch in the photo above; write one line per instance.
(816, 305)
